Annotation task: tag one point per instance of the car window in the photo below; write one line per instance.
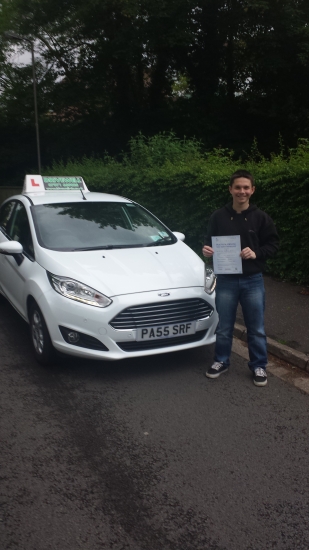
(89, 225)
(6, 215)
(20, 231)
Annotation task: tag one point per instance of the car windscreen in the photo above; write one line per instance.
(97, 225)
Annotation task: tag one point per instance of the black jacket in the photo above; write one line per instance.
(256, 230)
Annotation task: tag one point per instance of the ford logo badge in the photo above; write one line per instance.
(164, 294)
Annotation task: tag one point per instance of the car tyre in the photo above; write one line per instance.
(42, 345)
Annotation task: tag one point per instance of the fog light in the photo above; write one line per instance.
(81, 340)
(73, 337)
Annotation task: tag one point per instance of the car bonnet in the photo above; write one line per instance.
(125, 271)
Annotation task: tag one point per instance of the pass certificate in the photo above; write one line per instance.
(226, 256)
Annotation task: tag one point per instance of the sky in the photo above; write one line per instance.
(20, 58)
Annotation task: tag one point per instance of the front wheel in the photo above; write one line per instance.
(42, 346)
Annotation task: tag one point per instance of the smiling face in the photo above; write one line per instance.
(241, 191)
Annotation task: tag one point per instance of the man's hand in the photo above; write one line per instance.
(207, 251)
(247, 254)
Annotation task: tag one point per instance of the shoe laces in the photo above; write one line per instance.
(217, 365)
(260, 372)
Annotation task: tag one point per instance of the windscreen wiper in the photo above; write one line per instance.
(102, 247)
(109, 247)
(161, 241)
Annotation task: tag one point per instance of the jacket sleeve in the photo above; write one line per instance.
(269, 240)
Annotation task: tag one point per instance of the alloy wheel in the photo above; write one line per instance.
(37, 332)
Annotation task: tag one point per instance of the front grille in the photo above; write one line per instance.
(166, 313)
(161, 343)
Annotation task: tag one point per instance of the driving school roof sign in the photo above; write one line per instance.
(36, 183)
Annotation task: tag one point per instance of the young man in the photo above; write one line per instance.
(259, 241)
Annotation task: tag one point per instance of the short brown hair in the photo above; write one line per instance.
(241, 174)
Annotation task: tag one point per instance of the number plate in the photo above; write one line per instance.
(166, 331)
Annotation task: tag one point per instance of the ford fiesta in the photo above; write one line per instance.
(100, 277)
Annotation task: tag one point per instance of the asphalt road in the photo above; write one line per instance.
(148, 454)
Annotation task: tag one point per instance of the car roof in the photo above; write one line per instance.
(62, 189)
(52, 197)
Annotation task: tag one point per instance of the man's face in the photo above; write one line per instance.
(241, 191)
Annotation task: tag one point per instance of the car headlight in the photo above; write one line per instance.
(210, 280)
(78, 291)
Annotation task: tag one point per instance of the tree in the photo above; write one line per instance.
(113, 67)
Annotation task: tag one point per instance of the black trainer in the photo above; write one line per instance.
(259, 377)
(216, 369)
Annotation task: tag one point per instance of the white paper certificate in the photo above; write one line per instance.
(226, 256)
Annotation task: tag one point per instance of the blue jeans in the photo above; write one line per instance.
(250, 293)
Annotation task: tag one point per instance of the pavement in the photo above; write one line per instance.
(286, 321)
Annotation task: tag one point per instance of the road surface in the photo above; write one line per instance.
(148, 454)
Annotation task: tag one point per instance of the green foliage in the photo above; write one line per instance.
(283, 191)
(107, 69)
(182, 185)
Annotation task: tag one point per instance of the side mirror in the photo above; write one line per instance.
(13, 248)
(179, 236)
(10, 248)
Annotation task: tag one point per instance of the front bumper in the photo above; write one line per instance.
(95, 322)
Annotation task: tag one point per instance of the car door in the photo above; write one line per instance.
(6, 213)
(16, 270)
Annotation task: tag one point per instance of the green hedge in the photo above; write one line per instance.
(182, 185)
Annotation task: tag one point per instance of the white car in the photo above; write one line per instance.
(100, 277)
